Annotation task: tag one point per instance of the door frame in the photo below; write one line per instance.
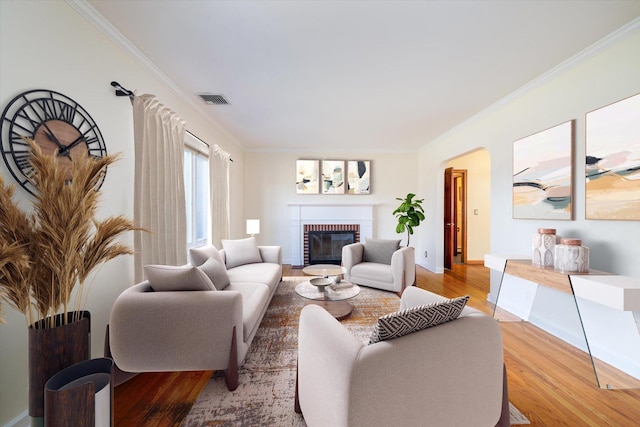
(450, 223)
(462, 175)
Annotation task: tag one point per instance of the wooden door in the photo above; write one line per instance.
(460, 180)
(449, 218)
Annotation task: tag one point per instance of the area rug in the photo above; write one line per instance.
(517, 418)
(265, 395)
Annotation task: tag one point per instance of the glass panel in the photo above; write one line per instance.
(607, 348)
(201, 198)
(188, 193)
(326, 246)
(196, 187)
(589, 318)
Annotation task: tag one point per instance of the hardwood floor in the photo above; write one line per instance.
(551, 382)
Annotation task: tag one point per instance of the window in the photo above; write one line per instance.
(196, 183)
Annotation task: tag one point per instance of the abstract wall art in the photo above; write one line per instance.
(612, 188)
(332, 180)
(543, 174)
(307, 172)
(359, 177)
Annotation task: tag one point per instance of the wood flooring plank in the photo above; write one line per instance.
(158, 399)
(550, 381)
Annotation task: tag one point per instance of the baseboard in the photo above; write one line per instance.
(475, 262)
(22, 420)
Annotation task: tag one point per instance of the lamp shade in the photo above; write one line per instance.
(253, 226)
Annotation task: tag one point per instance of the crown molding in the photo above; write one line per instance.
(101, 23)
(94, 17)
(601, 45)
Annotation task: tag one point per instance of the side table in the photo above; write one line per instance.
(596, 286)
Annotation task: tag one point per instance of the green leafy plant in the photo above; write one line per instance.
(410, 213)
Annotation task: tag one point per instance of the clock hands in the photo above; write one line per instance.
(75, 142)
(63, 150)
(52, 138)
(54, 122)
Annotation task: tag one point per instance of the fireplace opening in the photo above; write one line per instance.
(325, 247)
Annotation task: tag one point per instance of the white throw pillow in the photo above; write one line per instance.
(216, 272)
(164, 278)
(415, 319)
(201, 254)
(241, 251)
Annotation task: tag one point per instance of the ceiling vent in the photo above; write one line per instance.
(213, 99)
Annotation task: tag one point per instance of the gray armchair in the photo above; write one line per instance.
(380, 264)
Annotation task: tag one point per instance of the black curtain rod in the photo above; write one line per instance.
(121, 91)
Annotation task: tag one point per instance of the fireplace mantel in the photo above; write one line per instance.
(302, 214)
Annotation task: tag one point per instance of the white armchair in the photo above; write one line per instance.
(447, 375)
(380, 264)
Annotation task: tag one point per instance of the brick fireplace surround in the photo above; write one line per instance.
(306, 217)
(325, 227)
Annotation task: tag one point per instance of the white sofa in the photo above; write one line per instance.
(179, 330)
(447, 375)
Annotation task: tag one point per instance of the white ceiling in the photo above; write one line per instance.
(357, 75)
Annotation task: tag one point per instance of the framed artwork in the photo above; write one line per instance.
(543, 174)
(612, 188)
(307, 172)
(359, 177)
(332, 179)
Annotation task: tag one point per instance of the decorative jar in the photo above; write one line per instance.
(543, 243)
(571, 257)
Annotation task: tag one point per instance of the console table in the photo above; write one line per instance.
(617, 292)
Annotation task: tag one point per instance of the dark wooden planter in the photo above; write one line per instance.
(81, 395)
(54, 349)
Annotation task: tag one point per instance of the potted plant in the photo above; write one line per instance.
(47, 255)
(410, 213)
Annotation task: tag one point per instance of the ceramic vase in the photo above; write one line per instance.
(543, 247)
(571, 257)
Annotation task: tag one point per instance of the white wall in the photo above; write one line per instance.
(604, 78)
(46, 44)
(270, 187)
(478, 167)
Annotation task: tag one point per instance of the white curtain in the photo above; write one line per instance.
(219, 194)
(159, 199)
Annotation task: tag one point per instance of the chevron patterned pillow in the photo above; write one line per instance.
(414, 319)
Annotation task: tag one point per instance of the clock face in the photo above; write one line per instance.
(58, 124)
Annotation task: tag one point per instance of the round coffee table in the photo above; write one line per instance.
(324, 270)
(332, 298)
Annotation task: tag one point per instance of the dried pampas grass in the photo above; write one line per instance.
(46, 254)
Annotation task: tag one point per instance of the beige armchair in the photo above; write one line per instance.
(380, 264)
(447, 375)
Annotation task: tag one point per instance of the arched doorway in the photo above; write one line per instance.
(467, 208)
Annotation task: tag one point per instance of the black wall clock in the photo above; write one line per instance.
(57, 123)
